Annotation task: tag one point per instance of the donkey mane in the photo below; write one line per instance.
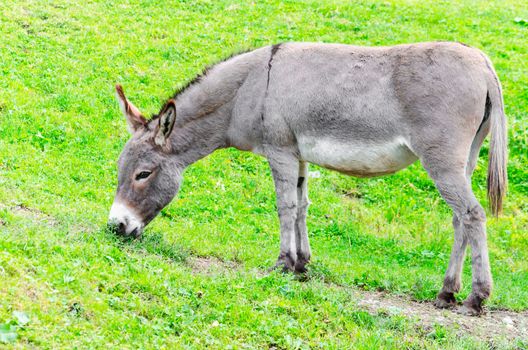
(197, 79)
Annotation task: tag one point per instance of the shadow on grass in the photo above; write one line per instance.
(150, 242)
(317, 271)
(422, 289)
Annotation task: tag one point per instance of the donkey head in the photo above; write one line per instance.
(148, 175)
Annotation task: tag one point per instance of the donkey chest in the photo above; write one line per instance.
(357, 158)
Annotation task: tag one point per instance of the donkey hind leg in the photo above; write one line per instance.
(285, 170)
(471, 219)
(452, 280)
(301, 234)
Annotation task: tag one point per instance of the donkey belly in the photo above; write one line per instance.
(362, 159)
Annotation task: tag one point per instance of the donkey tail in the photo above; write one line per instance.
(498, 150)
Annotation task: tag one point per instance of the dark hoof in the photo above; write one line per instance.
(472, 306)
(445, 300)
(285, 263)
(300, 266)
(467, 311)
(280, 267)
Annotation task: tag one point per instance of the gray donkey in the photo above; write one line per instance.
(361, 111)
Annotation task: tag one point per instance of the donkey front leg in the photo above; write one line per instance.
(285, 170)
(301, 234)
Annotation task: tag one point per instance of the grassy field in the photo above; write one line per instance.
(67, 283)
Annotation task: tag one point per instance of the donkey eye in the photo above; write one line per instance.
(143, 175)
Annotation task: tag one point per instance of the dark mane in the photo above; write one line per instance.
(198, 78)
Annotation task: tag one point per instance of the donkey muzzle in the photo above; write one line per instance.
(123, 221)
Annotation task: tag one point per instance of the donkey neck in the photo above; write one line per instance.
(204, 111)
(202, 136)
(204, 108)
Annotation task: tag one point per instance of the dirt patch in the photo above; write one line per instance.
(493, 324)
(210, 264)
(32, 293)
(29, 213)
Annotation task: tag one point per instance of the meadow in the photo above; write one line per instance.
(198, 277)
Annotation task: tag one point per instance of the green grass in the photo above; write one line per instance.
(61, 133)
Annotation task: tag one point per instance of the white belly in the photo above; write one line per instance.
(354, 158)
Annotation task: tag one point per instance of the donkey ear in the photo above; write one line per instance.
(166, 123)
(133, 116)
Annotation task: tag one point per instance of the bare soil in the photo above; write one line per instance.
(493, 324)
(29, 213)
(209, 264)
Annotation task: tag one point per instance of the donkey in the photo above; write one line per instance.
(357, 110)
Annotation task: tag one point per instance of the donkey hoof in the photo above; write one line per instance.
(445, 300)
(280, 266)
(300, 265)
(468, 311)
(285, 263)
(472, 306)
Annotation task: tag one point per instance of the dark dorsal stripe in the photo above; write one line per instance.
(274, 50)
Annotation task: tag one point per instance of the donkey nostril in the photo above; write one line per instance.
(117, 227)
(121, 228)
